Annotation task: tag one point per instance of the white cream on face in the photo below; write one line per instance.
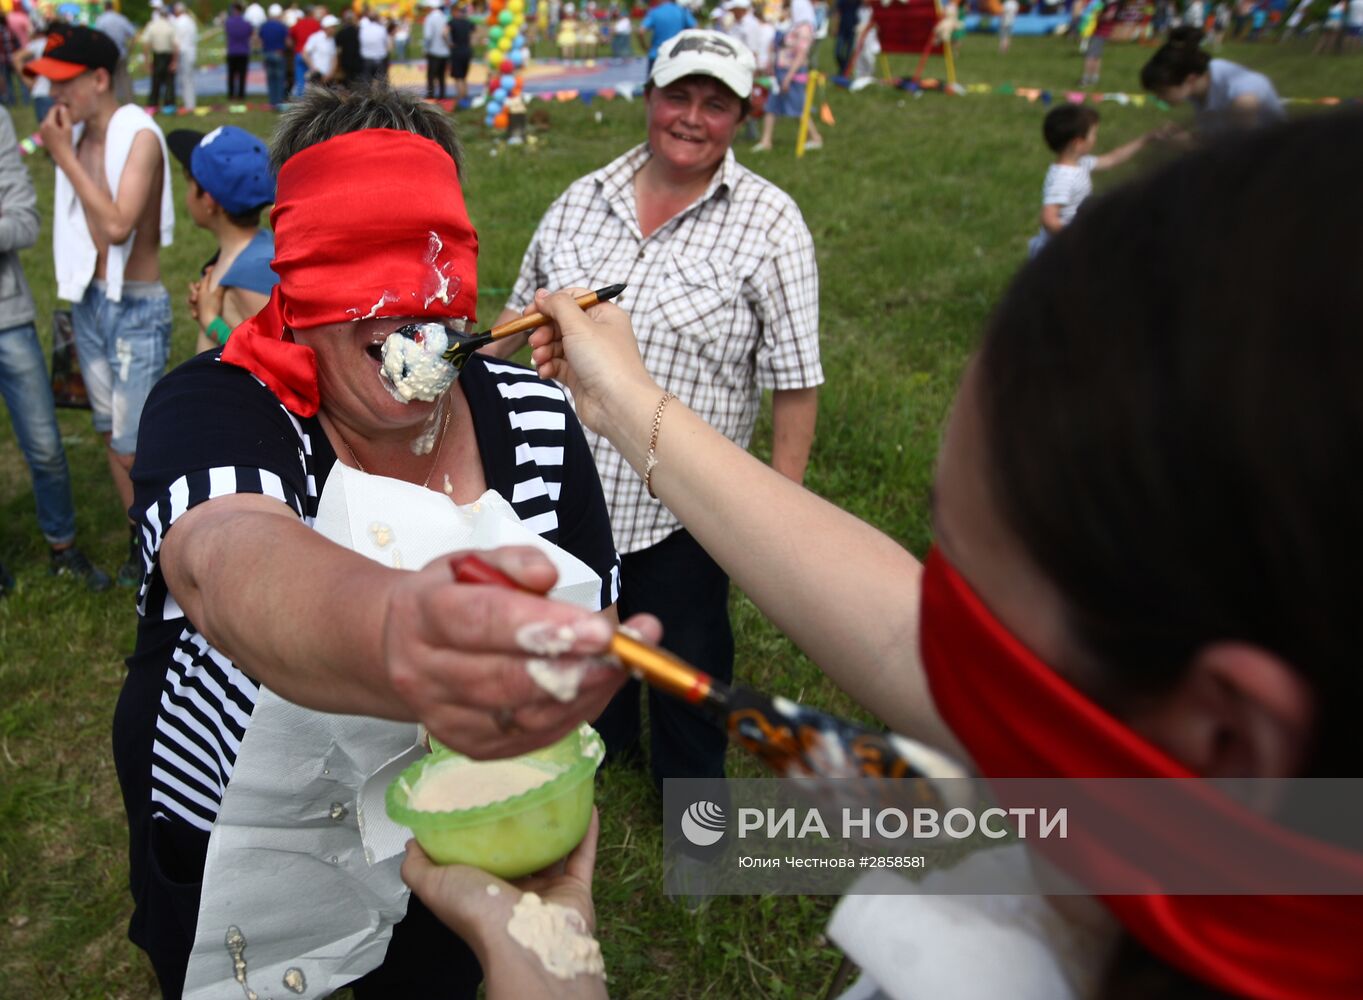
(465, 784)
(557, 936)
(413, 367)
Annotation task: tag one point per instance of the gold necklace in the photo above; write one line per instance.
(435, 462)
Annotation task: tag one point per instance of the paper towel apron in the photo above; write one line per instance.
(301, 881)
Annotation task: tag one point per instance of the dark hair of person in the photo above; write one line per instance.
(1177, 59)
(1064, 124)
(243, 220)
(323, 113)
(744, 104)
(247, 219)
(1174, 429)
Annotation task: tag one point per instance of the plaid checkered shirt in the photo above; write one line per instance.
(724, 299)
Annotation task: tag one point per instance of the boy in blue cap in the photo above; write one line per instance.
(230, 183)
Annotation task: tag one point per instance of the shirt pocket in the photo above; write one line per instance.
(572, 264)
(696, 301)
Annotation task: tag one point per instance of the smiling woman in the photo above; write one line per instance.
(724, 294)
(240, 593)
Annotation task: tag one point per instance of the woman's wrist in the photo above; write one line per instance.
(513, 971)
(626, 418)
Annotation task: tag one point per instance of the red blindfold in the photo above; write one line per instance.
(1018, 718)
(367, 225)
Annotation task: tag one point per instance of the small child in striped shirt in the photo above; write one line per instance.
(1071, 131)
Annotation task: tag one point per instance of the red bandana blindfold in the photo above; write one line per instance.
(367, 225)
(1019, 719)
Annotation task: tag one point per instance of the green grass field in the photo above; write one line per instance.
(920, 209)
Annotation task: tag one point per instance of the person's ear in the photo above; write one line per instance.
(1239, 712)
(104, 80)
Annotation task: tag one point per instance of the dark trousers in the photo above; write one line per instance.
(846, 43)
(162, 80)
(679, 583)
(374, 69)
(236, 75)
(435, 76)
(424, 959)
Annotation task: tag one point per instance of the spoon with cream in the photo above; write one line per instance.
(422, 360)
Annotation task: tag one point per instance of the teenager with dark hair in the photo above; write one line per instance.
(1145, 518)
(1223, 94)
(229, 184)
(112, 212)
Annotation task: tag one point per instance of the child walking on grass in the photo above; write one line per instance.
(1071, 131)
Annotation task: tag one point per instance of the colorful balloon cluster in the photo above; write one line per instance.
(507, 54)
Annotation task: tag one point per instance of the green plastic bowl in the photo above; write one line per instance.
(515, 836)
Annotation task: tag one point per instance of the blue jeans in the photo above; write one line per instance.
(123, 347)
(276, 76)
(300, 76)
(28, 393)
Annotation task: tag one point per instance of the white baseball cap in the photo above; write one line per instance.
(275, 10)
(705, 53)
(330, 21)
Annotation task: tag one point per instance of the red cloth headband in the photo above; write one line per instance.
(1018, 718)
(368, 224)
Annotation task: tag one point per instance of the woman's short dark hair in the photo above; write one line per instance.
(1174, 429)
(323, 113)
(1177, 59)
(1174, 424)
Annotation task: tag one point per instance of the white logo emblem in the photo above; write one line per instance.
(703, 823)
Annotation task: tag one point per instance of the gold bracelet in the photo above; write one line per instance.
(652, 462)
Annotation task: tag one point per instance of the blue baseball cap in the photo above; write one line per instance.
(229, 163)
